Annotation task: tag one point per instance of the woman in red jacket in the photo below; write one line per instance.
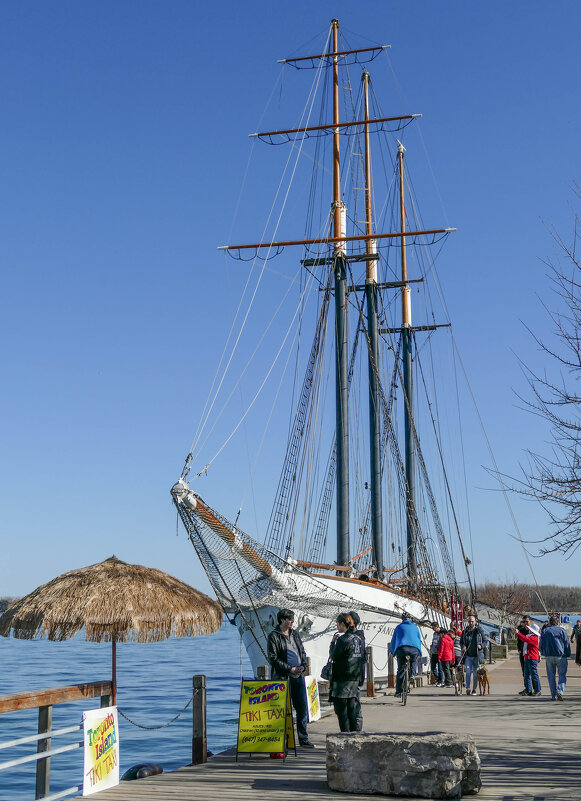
(446, 656)
(531, 657)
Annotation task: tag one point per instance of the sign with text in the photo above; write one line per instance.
(263, 712)
(313, 703)
(101, 749)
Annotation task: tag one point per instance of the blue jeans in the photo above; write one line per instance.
(472, 664)
(556, 663)
(532, 681)
(436, 668)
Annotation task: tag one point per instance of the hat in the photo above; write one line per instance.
(534, 628)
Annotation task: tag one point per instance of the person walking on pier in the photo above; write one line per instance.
(406, 641)
(522, 627)
(446, 656)
(434, 661)
(288, 661)
(556, 649)
(576, 636)
(473, 644)
(346, 653)
(531, 657)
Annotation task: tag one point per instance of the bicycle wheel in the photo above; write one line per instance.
(405, 687)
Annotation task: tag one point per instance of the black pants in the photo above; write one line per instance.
(298, 693)
(348, 711)
(522, 667)
(402, 652)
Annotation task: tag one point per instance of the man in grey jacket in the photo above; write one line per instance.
(555, 647)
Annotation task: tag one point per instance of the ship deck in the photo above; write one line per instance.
(528, 747)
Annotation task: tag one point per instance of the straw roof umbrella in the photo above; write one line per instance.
(114, 601)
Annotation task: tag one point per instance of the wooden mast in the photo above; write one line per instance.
(341, 329)
(406, 332)
(372, 330)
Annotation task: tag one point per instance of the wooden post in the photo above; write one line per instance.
(262, 672)
(390, 669)
(43, 765)
(308, 665)
(199, 743)
(369, 672)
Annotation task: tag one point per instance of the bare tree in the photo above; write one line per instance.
(555, 480)
(509, 599)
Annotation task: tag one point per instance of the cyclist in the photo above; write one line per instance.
(406, 642)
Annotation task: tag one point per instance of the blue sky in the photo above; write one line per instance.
(123, 149)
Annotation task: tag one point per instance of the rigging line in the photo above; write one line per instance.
(312, 100)
(497, 473)
(487, 441)
(441, 455)
(248, 363)
(234, 218)
(266, 427)
(271, 368)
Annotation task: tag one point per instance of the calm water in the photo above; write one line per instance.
(154, 683)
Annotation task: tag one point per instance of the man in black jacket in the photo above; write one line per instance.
(288, 661)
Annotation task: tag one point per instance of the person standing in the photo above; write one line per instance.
(457, 647)
(556, 649)
(288, 661)
(405, 642)
(531, 657)
(434, 662)
(522, 627)
(346, 653)
(361, 634)
(576, 636)
(446, 656)
(473, 644)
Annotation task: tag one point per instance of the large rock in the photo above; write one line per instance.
(422, 765)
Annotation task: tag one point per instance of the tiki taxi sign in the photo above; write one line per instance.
(263, 720)
(101, 749)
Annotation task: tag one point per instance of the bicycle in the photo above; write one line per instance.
(408, 680)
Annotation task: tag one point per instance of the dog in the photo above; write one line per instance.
(458, 679)
(483, 681)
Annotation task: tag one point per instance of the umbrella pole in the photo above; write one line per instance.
(114, 669)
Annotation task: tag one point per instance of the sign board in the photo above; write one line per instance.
(313, 702)
(264, 716)
(101, 749)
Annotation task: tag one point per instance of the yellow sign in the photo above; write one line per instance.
(264, 719)
(101, 746)
(313, 703)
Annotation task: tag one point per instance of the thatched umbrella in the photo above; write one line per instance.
(115, 602)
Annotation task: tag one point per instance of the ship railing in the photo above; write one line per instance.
(44, 700)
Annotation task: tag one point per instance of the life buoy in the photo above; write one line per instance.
(141, 771)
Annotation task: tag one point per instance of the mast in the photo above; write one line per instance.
(406, 331)
(372, 329)
(341, 344)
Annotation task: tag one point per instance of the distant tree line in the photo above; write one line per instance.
(560, 599)
(5, 603)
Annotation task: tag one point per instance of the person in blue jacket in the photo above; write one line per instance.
(556, 649)
(406, 641)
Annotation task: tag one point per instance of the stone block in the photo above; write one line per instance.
(434, 765)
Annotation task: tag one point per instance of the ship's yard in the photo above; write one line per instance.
(528, 748)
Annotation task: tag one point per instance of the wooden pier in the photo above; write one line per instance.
(529, 748)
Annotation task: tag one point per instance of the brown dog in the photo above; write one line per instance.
(483, 681)
(458, 679)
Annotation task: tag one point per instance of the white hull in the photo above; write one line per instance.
(317, 631)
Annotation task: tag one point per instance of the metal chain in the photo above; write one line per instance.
(163, 725)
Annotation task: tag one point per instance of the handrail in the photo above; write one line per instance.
(43, 700)
(33, 699)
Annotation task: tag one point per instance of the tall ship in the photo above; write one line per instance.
(358, 521)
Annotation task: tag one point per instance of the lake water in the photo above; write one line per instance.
(154, 683)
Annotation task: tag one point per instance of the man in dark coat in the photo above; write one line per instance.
(288, 661)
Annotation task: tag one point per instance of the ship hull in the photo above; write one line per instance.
(316, 630)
